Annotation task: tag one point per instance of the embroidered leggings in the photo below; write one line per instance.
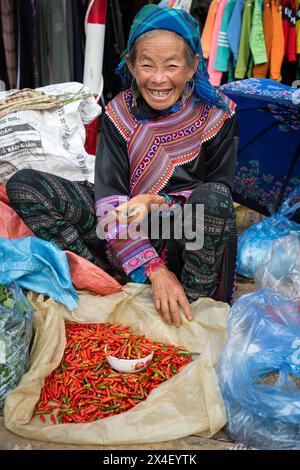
(62, 211)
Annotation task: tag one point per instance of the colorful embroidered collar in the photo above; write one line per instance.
(156, 147)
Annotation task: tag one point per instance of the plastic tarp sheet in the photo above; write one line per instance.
(188, 403)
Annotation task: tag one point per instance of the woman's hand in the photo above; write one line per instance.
(138, 207)
(168, 296)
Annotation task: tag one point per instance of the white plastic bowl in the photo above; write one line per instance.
(130, 365)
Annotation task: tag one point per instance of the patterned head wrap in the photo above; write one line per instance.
(152, 17)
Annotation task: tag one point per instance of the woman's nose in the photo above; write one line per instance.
(159, 75)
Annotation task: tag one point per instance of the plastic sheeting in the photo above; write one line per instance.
(282, 271)
(255, 244)
(186, 404)
(260, 371)
(15, 338)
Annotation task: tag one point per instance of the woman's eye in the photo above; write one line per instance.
(173, 66)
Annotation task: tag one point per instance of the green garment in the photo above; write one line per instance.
(223, 49)
(244, 47)
(257, 38)
(250, 68)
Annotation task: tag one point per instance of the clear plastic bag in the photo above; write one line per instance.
(282, 271)
(260, 371)
(16, 315)
(255, 244)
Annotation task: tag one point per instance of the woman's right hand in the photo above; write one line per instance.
(168, 296)
(142, 205)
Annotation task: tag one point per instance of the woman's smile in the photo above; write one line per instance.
(161, 73)
(158, 96)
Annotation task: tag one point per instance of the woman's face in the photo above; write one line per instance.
(160, 69)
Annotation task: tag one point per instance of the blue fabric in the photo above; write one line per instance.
(39, 266)
(152, 17)
(138, 275)
(268, 160)
(234, 28)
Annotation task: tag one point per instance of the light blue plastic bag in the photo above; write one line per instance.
(39, 266)
(281, 272)
(255, 244)
(263, 338)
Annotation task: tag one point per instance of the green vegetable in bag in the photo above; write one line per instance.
(16, 314)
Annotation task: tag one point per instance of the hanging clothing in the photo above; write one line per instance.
(3, 72)
(289, 29)
(24, 44)
(244, 47)
(199, 10)
(298, 26)
(261, 70)
(277, 51)
(223, 49)
(68, 7)
(234, 28)
(257, 39)
(215, 76)
(118, 174)
(53, 41)
(78, 10)
(111, 57)
(208, 28)
(8, 34)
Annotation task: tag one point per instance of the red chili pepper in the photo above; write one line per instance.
(84, 388)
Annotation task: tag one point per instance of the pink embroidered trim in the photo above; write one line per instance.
(143, 257)
(153, 265)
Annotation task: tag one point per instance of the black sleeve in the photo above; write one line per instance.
(221, 154)
(112, 164)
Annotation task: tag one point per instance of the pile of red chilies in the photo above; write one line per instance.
(84, 388)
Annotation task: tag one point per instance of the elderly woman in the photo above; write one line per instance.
(169, 139)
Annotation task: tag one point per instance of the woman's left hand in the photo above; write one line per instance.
(169, 296)
(138, 207)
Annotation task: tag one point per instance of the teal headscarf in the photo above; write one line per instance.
(152, 17)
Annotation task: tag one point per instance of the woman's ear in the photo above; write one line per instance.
(193, 68)
(196, 62)
(129, 64)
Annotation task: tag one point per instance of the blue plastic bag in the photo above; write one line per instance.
(39, 266)
(281, 272)
(255, 244)
(263, 346)
(15, 337)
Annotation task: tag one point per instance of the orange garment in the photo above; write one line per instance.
(277, 51)
(261, 70)
(208, 28)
